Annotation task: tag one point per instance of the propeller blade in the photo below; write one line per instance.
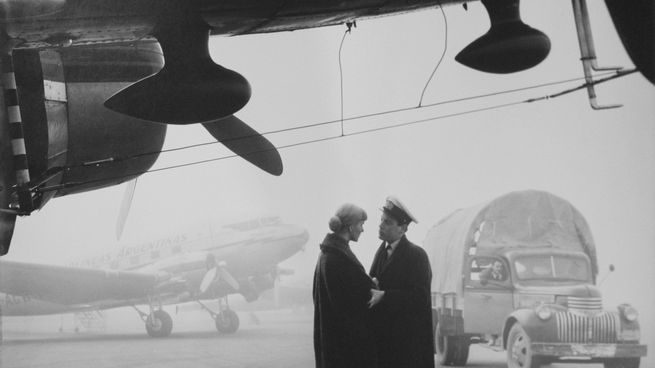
(228, 278)
(124, 210)
(208, 279)
(190, 88)
(7, 222)
(7, 180)
(509, 46)
(207, 93)
(634, 21)
(247, 143)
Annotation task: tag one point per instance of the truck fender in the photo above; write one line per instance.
(537, 329)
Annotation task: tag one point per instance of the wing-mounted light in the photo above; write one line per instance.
(190, 88)
(509, 46)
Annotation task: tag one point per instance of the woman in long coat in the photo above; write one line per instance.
(343, 335)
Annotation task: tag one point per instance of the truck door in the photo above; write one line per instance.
(487, 295)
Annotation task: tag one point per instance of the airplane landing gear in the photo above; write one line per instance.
(226, 321)
(158, 322)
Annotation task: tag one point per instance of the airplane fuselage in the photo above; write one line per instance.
(250, 256)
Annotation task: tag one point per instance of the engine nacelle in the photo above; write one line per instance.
(73, 142)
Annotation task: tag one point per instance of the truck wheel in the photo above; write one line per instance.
(519, 353)
(443, 346)
(462, 344)
(622, 363)
(451, 350)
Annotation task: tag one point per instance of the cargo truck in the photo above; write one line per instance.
(519, 273)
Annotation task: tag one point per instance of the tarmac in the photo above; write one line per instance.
(270, 339)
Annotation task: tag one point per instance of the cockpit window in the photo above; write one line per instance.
(551, 267)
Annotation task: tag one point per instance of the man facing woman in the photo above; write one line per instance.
(384, 321)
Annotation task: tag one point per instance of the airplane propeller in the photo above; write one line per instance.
(637, 32)
(208, 279)
(190, 88)
(247, 143)
(124, 210)
(215, 274)
(509, 46)
(7, 223)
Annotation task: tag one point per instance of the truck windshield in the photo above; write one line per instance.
(552, 267)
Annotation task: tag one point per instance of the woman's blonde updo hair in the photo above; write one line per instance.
(348, 214)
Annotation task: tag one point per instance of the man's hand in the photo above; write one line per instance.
(376, 297)
(376, 282)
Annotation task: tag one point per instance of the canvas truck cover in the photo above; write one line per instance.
(528, 218)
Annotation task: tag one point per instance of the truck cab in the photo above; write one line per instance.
(530, 292)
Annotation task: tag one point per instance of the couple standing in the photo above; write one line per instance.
(378, 320)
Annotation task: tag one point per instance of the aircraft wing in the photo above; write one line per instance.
(73, 285)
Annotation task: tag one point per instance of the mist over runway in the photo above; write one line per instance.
(266, 339)
(271, 339)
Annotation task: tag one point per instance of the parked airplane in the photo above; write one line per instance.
(238, 258)
(84, 80)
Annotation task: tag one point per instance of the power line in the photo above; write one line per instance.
(353, 118)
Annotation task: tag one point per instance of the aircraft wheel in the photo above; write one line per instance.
(227, 321)
(159, 324)
(519, 352)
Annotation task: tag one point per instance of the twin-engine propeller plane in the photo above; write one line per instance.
(239, 258)
(89, 85)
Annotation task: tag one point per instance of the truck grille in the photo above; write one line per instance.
(581, 328)
(584, 304)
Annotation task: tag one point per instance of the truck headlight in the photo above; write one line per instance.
(628, 312)
(543, 312)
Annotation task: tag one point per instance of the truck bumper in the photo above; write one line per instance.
(589, 350)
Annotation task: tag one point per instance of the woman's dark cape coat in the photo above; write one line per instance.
(403, 319)
(342, 331)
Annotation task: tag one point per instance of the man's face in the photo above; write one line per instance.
(390, 231)
(498, 267)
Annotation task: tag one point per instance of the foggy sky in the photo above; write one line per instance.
(601, 161)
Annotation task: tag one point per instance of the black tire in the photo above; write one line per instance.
(227, 321)
(441, 346)
(159, 324)
(451, 350)
(519, 353)
(622, 363)
(462, 344)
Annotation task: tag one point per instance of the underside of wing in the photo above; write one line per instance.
(72, 285)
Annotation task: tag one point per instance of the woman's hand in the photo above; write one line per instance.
(376, 297)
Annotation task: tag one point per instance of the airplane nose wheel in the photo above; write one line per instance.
(159, 324)
(227, 321)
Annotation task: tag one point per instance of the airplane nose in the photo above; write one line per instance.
(304, 237)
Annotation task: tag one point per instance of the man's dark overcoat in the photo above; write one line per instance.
(343, 335)
(403, 319)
